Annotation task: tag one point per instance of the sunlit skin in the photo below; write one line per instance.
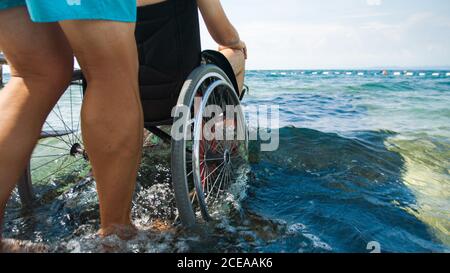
(223, 32)
(41, 59)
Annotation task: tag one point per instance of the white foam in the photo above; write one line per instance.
(435, 74)
(337, 73)
(314, 73)
(326, 73)
(317, 242)
(422, 74)
(397, 73)
(409, 74)
(283, 73)
(348, 73)
(360, 73)
(295, 228)
(447, 74)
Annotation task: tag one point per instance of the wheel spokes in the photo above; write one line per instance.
(57, 153)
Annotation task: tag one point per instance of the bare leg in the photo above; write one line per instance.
(112, 118)
(237, 61)
(42, 64)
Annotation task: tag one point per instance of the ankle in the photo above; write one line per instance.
(124, 232)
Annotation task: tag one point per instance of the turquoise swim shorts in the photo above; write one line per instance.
(44, 11)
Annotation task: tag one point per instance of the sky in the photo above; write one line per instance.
(341, 34)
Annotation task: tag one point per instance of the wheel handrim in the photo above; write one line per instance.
(216, 161)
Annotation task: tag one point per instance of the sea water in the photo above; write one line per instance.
(363, 159)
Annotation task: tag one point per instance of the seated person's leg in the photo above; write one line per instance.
(112, 119)
(237, 61)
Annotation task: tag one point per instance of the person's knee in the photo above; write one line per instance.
(113, 66)
(236, 59)
(59, 73)
(54, 73)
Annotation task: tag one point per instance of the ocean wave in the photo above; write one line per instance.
(366, 177)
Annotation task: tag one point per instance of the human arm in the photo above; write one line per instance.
(219, 26)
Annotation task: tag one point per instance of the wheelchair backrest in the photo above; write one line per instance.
(168, 40)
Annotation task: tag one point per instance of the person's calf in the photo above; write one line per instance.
(112, 123)
(24, 105)
(112, 128)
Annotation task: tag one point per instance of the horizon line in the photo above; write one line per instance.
(443, 68)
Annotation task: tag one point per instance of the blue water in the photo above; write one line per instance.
(362, 158)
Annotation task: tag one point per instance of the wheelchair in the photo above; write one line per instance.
(179, 85)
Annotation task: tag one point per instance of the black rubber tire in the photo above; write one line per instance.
(179, 181)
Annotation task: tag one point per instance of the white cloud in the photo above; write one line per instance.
(352, 36)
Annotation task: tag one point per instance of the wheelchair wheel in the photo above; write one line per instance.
(212, 153)
(59, 155)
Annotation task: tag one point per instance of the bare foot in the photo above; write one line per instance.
(113, 238)
(123, 232)
(16, 246)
